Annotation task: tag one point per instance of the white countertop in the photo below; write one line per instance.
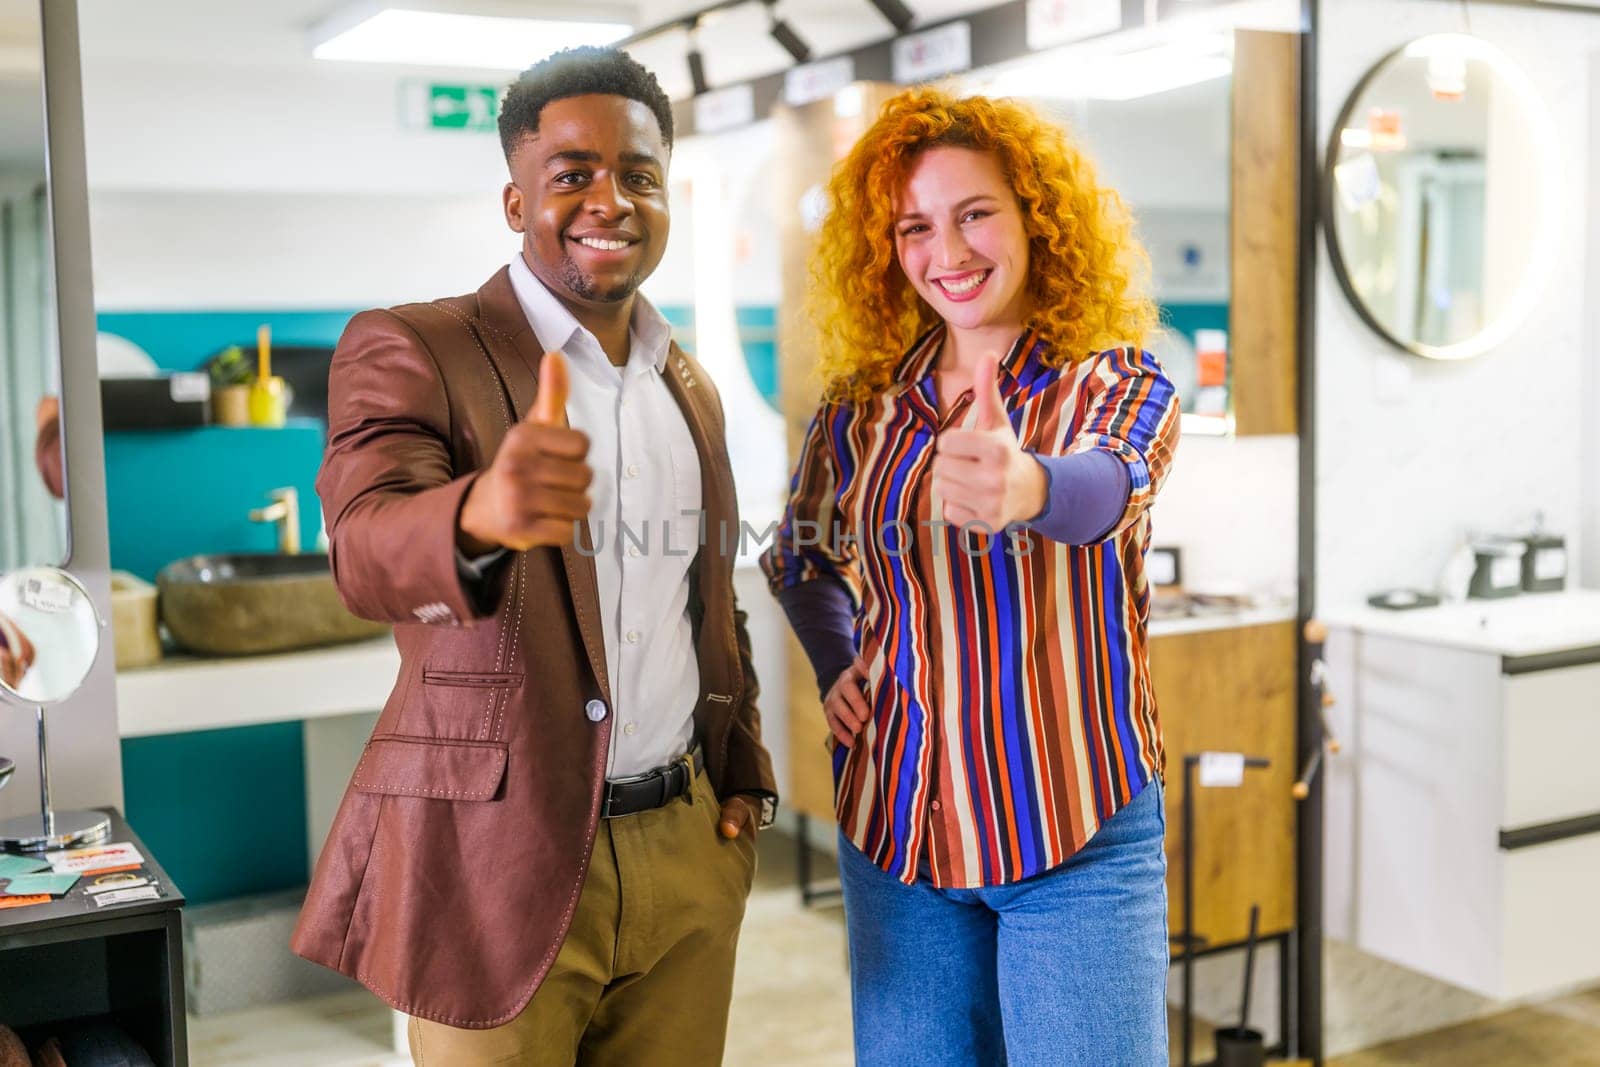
(1531, 624)
(195, 693)
(1229, 620)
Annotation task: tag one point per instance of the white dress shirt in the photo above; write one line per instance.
(644, 524)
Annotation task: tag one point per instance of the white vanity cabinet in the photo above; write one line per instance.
(1463, 818)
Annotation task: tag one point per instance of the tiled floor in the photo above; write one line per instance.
(791, 1008)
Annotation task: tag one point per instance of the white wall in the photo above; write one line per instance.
(1410, 453)
(192, 250)
(1231, 506)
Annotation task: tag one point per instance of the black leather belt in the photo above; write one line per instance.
(653, 789)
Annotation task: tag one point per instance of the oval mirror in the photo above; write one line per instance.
(49, 635)
(1438, 203)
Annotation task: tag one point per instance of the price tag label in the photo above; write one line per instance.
(933, 54)
(724, 109)
(817, 81)
(188, 388)
(1221, 769)
(1056, 22)
(47, 594)
(127, 896)
(1549, 564)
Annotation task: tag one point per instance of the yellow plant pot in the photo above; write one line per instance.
(230, 405)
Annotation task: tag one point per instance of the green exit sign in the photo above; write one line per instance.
(430, 105)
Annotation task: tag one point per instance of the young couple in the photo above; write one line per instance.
(544, 853)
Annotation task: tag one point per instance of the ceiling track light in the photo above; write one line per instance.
(697, 62)
(784, 34)
(899, 15)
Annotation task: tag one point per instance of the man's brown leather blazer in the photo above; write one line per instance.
(450, 875)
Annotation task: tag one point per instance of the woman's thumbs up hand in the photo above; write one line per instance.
(980, 471)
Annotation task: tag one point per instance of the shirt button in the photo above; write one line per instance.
(633, 470)
(595, 709)
(937, 806)
(633, 551)
(633, 637)
(631, 729)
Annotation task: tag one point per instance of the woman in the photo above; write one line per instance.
(998, 753)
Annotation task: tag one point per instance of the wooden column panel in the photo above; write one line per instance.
(1263, 315)
(1231, 691)
(811, 140)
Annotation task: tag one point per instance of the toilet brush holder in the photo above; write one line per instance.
(1240, 1047)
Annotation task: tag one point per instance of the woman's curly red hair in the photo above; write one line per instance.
(1086, 270)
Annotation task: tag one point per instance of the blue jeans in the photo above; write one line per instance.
(1066, 968)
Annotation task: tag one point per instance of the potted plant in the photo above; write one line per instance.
(232, 374)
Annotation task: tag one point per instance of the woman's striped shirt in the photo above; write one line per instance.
(1012, 711)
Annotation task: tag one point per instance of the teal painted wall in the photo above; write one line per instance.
(224, 810)
(171, 494)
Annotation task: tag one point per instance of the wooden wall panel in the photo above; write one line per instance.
(1232, 691)
(1264, 217)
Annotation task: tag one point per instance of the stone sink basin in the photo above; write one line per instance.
(253, 604)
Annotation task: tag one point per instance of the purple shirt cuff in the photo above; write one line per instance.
(1086, 497)
(823, 617)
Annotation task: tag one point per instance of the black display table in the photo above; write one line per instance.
(71, 960)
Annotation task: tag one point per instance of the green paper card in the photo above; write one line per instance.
(12, 866)
(29, 885)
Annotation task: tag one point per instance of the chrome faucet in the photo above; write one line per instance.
(284, 511)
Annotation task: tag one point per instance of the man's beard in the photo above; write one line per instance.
(584, 285)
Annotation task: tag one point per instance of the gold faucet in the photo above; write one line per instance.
(285, 512)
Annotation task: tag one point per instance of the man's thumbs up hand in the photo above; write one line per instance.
(550, 403)
(981, 472)
(536, 490)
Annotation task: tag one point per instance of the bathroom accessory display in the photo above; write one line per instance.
(51, 631)
(1544, 561)
(1497, 570)
(231, 374)
(1403, 599)
(135, 621)
(269, 394)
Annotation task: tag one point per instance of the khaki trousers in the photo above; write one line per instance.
(646, 972)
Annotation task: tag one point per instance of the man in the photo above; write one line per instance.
(532, 859)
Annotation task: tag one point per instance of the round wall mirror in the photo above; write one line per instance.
(49, 638)
(1439, 206)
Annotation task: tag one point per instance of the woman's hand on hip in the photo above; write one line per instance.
(845, 706)
(981, 472)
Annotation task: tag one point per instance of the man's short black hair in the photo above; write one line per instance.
(579, 72)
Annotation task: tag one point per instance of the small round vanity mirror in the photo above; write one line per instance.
(49, 635)
(49, 638)
(1438, 198)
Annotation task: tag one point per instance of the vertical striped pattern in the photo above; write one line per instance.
(1012, 708)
